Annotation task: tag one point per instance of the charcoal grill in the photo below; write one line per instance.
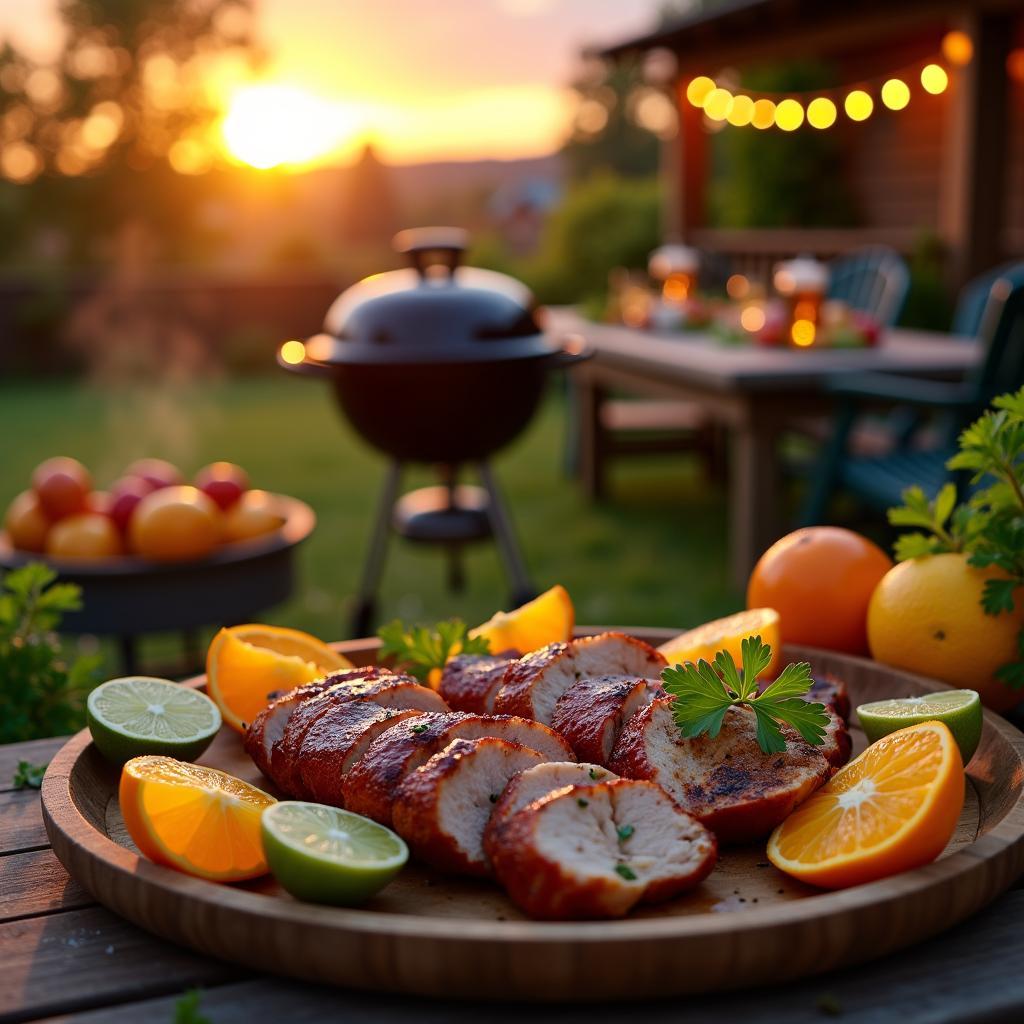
(442, 364)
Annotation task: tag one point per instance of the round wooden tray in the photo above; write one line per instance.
(747, 925)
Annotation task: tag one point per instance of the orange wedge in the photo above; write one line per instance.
(196, 819)
(544, 620)
(245, 665)
(728, 634)
(892, 809)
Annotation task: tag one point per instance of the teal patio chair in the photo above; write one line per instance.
(873, 280)
(991, 309)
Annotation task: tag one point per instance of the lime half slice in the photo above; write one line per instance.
(141, 715)
(325, 855)
(960, 710)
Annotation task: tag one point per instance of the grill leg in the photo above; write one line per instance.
(523, 589)
(366, 604)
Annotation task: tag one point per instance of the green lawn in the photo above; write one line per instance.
(654, 555)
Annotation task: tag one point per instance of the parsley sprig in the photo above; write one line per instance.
(989, 526)
(421, 649)
(704, 693)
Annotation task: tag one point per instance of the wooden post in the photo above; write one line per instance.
(689, 173)
(972, 199)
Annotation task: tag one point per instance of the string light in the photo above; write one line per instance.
(764, 114)
(858, 105)
(895, 94)
(698, 89)
(934, 79)
(741, 110)
(957, 47)
(716, 104)
(821, 113)
(789, 115)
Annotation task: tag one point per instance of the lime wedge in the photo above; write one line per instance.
(140, 715)
(325, 855)
(960, 710)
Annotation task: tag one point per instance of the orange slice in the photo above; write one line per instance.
(544, 620)
(246, 665)
(728, 634)
(196, 819)
(892, 809)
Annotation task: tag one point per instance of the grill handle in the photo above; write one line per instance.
(432, 247)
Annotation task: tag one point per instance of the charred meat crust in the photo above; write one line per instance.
(470, 682)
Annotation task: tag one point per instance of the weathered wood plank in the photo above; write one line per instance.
(21, 821)
(33, 751)
(970, 972)
(36, 883)
(84, 959)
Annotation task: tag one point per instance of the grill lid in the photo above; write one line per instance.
(436, 311)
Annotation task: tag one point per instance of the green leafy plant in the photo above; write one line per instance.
(704, 692)
(421, 649)
(41, 691)
(989, 526)
(29, 775)
(187, 1009)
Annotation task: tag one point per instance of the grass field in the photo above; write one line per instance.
(653, 555)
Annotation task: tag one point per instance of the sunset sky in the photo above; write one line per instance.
(451, 79)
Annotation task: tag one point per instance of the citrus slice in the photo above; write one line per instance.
(141, 715)
(892, 809)
(325, 855)
(960, 710)
(246, 665)
(544, 620)
(728, 634)
(193, 818)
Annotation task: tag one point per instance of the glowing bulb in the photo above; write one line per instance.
(895, 94)
(934, 79)
(803, 333)
(737, 286)
(789, 115)
(752, 319)
(957, 47)
(697, 91)
(821, 113)
(1015, 65)
(293, 352)
(858, 105)
(741, 110)
(716, 104)
(764, 114)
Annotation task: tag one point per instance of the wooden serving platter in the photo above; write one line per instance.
(747, 925)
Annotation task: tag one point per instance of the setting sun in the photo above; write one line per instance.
(274, 125)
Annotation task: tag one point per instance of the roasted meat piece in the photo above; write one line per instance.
(728, 782)
(442, 808)
(533, 684)
(596, 851)
(594, 710)
(470, 682)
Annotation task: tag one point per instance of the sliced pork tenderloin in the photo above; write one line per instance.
(442, 808)
(594, 710)
(470, 682)
(596, 851)
(838, 743)
(728, 782)
(533, 684)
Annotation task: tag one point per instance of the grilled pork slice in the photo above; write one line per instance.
(369, 788)
(729, 783)
(386, 689)
(442, 808)
(831, 692)
(838, 745)
(337, 739)
(533, 684)
(594, 710)
(536, 783)
(267, 727)
(597, 851)
(470, 682)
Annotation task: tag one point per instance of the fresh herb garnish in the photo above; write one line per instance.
(595, 773)
(418, 728)
(582, 802)
(28, 774)
(626, 872)
(704, 693)
(187, 1010)
(421, 649)
(624, 832)
(989, 527)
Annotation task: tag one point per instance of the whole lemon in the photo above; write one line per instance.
(925, 616)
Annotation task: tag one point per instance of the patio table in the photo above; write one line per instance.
(65, 958)
(754, 392)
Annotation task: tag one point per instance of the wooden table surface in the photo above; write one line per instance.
(754, 393)
(65, 958)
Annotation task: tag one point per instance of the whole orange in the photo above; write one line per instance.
(252, 515)
(87, 535)
(820, 580)
(926, 617)
(26, 522)
(175, 524)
